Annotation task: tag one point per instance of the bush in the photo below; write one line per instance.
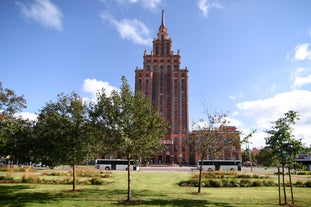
(234, 183)
(268, 183)
(257, 183)
(215, 183)
(308, 184)
(246, 176)
(26, 179)
(299, 183)
(96, 181)
(245, 183)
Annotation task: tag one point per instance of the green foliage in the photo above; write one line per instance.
(281, 141)
(215, 183)
(63, 132)
(127, 124)
(96, 181)
(257, 183)
(308, 184)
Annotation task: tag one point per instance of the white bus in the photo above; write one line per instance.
(220, 165)
(115, 164)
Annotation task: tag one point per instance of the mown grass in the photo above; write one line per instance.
(148, 189)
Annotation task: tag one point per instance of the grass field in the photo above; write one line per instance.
(148, 189)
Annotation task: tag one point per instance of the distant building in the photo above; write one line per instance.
(225, 144)
(165, 83)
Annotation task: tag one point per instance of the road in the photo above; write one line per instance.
(168, 169)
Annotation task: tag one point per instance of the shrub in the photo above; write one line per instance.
(226, 183)
(215, 183)
(234, 183)
(96, 181)
(302, 173)
(308, 184)
(299, 183)
(257, 183)
(268, 183)
(245, 183)
(246, 176)
(27, 179)
(183, 183)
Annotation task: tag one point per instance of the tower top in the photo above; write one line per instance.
(162, 33)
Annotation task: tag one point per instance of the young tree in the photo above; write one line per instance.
(247, 141)
(129, 124)
(205, 136)
(63, 133)
(283, 144)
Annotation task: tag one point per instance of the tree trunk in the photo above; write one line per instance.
(279, 186)
(291, 186)
(283, 181)
(200, 174)
(74, 177)
(128, 179)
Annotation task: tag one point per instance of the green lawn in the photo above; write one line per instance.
(148, 189)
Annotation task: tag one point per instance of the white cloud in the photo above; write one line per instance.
(27, 115)
(150, 4)
(44, 12)
(146, 4)
(206, 6)
(94, 86)
(240, 95)
(302, 52)
(301, 77)
(130, 29)
(263, 112)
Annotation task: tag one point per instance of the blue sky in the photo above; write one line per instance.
(251, 58)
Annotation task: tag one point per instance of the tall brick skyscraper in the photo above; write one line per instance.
(166, 84)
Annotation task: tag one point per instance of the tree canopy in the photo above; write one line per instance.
(63, 133)
(130, 126)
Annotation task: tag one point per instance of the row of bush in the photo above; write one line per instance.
(237, 183)
(228, 174)
(38, 180)
(81, 173)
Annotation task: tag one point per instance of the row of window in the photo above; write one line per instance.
(161, 60)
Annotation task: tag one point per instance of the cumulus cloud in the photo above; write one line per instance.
(43, 12)
(301, 77)
(130, 29)
(94, 86)
(206, 6)
(264, 111)
(302, 52)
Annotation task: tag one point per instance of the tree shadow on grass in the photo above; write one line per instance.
(16, 196)
(172, 202)
(162, 200)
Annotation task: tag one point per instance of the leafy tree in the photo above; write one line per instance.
(128, 123)
(19, 144)
(283, 144)
(204, 137)
(10, 103)
(63, 133)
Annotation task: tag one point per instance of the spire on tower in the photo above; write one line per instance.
(162, 22)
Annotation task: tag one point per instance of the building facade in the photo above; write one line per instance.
(165, 83)
(223, 144)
